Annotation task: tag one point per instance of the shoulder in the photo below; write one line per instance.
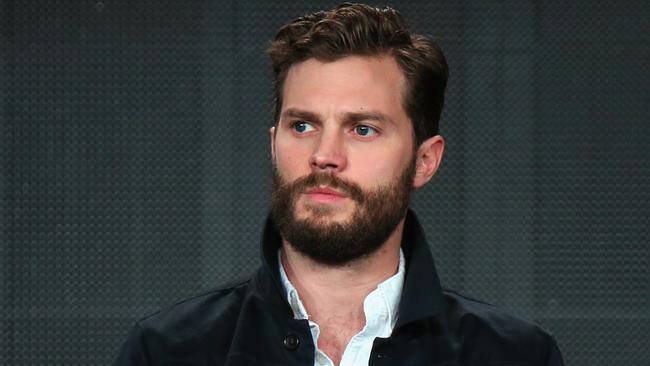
(197, 314)
(189, 330)
(487, 331)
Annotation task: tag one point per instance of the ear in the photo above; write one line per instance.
(272, 133)
(427, 160)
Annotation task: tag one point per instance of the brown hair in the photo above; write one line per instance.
(358, 29)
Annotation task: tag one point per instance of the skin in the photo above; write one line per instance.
(345, 117)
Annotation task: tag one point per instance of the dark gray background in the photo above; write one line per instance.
(135, 164)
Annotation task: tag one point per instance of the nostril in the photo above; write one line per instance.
(324, 165)
(323, 162)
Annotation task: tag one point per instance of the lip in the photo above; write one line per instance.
(325, 190)
(325, 194)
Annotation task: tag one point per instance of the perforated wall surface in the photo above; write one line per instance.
(135, 165)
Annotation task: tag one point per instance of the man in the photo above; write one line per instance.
(347, 276)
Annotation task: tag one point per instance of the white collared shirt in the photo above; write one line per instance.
(380, 308)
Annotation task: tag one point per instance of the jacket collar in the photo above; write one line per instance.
(421, 294)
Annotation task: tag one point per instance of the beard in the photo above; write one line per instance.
(377, 213)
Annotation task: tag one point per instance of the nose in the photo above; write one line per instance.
(329, 153)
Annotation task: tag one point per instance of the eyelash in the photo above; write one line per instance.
(374, 130)
(293, 125)
(370, 128)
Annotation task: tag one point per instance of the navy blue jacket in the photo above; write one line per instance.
(251, 323)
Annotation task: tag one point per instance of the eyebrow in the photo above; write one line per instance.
(351, 117)
(348, 117)
(300, 114)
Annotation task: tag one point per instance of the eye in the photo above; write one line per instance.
(302, 126)
(365, 131)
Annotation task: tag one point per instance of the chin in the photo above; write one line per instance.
(324, 213)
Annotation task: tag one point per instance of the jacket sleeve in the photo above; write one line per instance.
(555, 356)
(133, 351)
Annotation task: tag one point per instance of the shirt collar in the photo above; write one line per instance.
(299, 311)
(387, 293)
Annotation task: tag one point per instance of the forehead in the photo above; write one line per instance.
(349, 84)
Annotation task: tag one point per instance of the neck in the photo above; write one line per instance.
(339, 291)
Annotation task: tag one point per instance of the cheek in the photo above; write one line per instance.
(291, 159)
(379, 166)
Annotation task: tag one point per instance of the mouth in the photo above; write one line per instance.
(325, 195)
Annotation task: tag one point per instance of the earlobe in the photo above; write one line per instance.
(428, 158)
(272, 134)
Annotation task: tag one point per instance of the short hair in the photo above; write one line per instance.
(363, 30)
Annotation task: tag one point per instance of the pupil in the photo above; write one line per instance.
(362, 130)
(300, 127)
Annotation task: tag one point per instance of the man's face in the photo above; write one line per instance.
(344, 157)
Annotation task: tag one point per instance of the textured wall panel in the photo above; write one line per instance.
(135, 164)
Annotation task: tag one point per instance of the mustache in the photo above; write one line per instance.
(329, 179)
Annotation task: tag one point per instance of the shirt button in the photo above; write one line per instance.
(291, 342)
